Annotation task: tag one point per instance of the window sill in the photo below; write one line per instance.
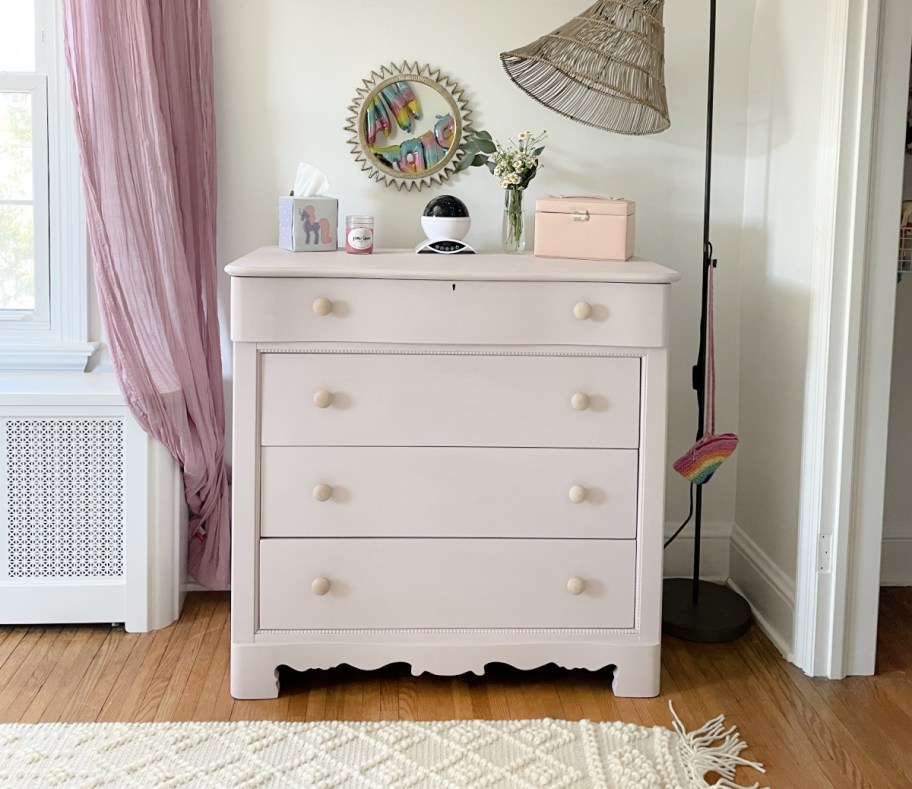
(59, 389)
(63, 356)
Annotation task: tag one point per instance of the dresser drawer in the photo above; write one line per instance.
(446, 584)
(449, 399)
(398, 311)
(447, 492)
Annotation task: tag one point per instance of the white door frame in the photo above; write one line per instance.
(851, 335)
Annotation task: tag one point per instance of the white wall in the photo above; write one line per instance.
(784, 103)
(287, 70)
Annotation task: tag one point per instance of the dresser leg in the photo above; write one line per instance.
(254, 674)
(638, 677)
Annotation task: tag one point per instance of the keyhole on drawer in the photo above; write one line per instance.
(454, 286)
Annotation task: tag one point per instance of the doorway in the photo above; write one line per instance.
(851, 341)
(896, 562)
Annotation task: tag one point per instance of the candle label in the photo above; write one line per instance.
(361, 238)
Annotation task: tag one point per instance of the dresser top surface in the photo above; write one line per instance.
(405, 264)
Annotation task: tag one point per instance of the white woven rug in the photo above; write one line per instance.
(399, 755)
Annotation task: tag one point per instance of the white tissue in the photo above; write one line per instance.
(310, 182)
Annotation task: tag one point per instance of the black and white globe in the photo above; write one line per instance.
(446, 218)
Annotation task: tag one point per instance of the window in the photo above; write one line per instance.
(43, 249)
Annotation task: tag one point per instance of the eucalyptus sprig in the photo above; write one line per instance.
(514, 164)
(477, 149)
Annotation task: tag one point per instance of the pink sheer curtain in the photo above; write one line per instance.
(141, 80)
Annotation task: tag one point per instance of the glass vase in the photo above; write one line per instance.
(514, 225)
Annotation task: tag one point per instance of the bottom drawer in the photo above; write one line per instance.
(446, 583)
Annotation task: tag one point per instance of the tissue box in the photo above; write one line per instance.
(593, 228)
(308, 224)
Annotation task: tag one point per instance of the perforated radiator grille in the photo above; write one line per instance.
(65, 497)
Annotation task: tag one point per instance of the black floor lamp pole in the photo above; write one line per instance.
(693, 609)
(699, 371)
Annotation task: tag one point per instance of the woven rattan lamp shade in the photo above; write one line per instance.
(604, 68)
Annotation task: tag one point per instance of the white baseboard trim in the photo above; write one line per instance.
(714, 552)
(192, 586)
(770, 592)
(896, 562)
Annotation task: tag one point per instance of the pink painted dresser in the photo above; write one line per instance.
(447, 461)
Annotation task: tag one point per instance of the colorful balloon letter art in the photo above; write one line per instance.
(397, 106)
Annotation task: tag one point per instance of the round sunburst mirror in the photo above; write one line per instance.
(407, 125)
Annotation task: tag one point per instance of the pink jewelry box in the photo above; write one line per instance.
(587, 227)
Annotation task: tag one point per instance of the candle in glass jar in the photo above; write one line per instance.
(359, 235)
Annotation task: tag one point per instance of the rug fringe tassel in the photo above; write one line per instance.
(703, 757)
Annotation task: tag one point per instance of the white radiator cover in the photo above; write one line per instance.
(92, 513)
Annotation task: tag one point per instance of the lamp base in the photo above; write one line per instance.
(720, 615)
(444, 246)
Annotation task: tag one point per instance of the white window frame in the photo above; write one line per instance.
(55, 336)
(26, 322)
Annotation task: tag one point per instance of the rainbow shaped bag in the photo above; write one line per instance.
(700, 462)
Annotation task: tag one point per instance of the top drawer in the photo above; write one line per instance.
(265, 309)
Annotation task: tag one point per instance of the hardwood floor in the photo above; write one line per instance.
(808, 732)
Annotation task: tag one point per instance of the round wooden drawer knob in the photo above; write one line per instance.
(578, 494)
(322, 307)
(579, 401)
(576, 586)
(319, 586)
(582, 310)
(322, 492)
(323, 399)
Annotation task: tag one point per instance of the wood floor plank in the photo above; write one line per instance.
(808, 732)
(260, 710)
(124, 701)
(211, 672)
(66, 675)
(309, 702)
(495, 692)
(389, 696)
(89, 697)
(408, 698)
(27, 667)
(540, 696)
(219, 708)
(370, 700)
(12, 637)
(170, 675)
(352, 701)
(435, 701)
(462, 698)
(184, 672)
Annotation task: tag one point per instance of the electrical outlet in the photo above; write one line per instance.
(824, 553)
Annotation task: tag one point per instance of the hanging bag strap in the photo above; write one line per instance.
(710, 395)
(700, 462)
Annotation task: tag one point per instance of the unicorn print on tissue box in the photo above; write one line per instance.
(308, 224)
